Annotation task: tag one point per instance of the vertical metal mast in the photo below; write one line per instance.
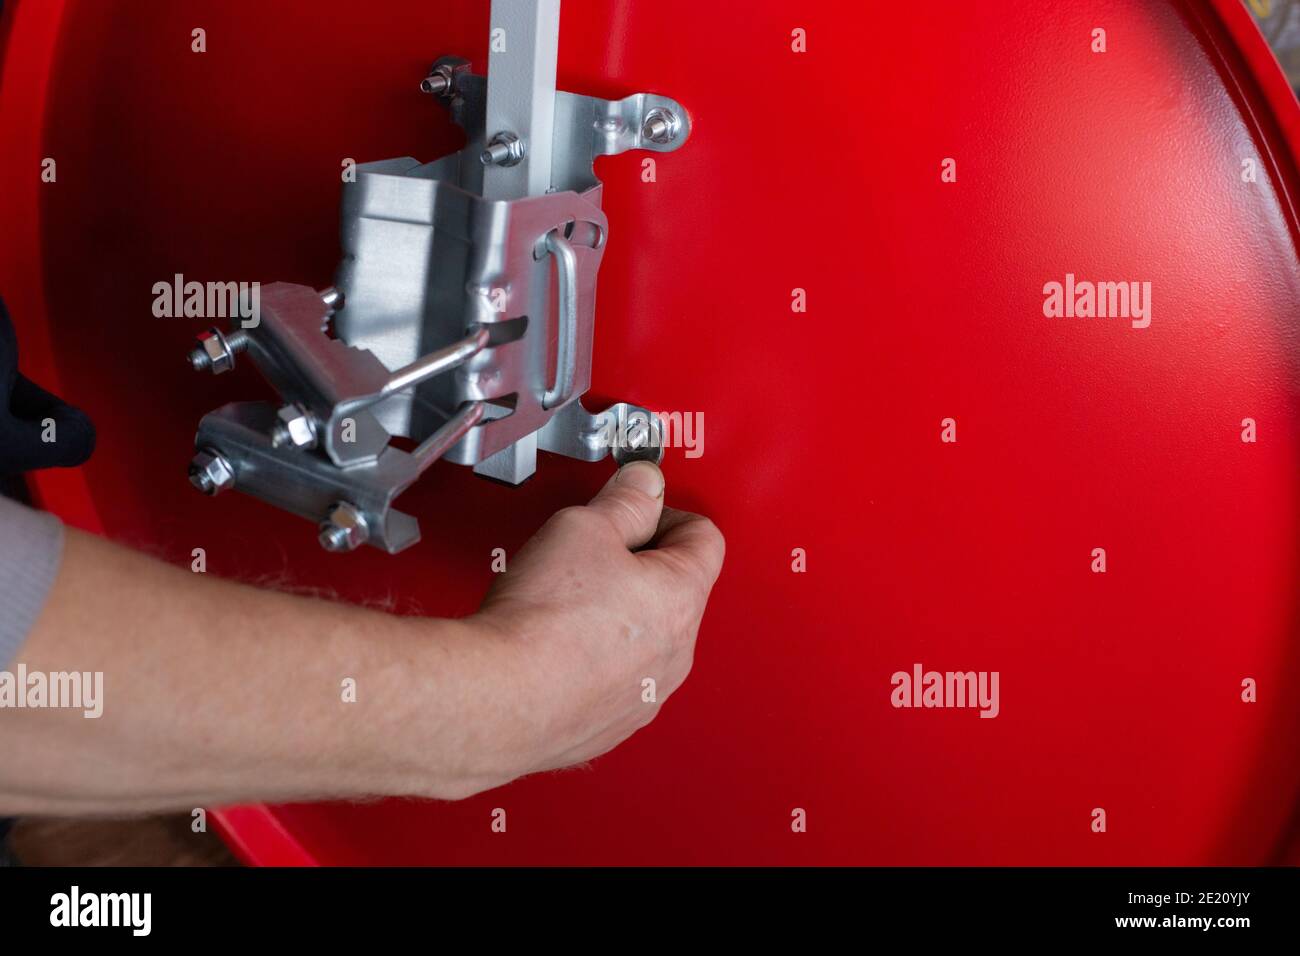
(522, 56)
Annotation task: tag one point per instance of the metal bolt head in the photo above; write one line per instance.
(504, 149)
(212, 352)
(294, 426)
(344, 528)
(333, 299)
(441, 78)
(435, 83)
(661, 126)
(211, 473)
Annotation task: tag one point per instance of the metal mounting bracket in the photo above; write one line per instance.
(463, 309)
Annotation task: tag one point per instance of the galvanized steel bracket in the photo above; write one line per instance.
(462, 315)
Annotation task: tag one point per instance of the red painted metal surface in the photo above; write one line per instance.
(822, 430)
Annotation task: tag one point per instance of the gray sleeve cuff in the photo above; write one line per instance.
(31, 544)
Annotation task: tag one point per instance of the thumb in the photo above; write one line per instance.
(632, 501)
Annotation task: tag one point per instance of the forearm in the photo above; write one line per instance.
(214, 692)
(219, 693)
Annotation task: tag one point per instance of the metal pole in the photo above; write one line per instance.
(522, 57)
(523, 52)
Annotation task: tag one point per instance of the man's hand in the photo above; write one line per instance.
(604, 599)
(216, 692)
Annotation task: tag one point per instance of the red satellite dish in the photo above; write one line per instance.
(823, 428)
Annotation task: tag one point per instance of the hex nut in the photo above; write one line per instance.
(295, 427)
(220, 356)
(344, 529)
(443, 74)
(504, 149)
(660, 126)
(211, 473)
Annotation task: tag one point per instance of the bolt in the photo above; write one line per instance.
(216, 350)
(638, 433)
(294, 426)
(332, 298)
(495, 154)
(344, 528)
(435, 83)
(640, 438)
(660, 127)
(334, 539)
(211, 472)
(504, 149)
(440, 80)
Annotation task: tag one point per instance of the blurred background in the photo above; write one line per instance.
(1280, 22)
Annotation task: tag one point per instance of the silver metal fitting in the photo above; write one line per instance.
(504, 149)
(216, 351)
(344, 528)
(638, 434)
(441, 78)
(639, 438)
(332, 298)
(438, 83)
(661, 126)
(211, 473)
(294, 426)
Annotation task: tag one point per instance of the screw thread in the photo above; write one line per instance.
(236, 342)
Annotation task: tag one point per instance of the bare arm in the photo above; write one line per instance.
(216, 692)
